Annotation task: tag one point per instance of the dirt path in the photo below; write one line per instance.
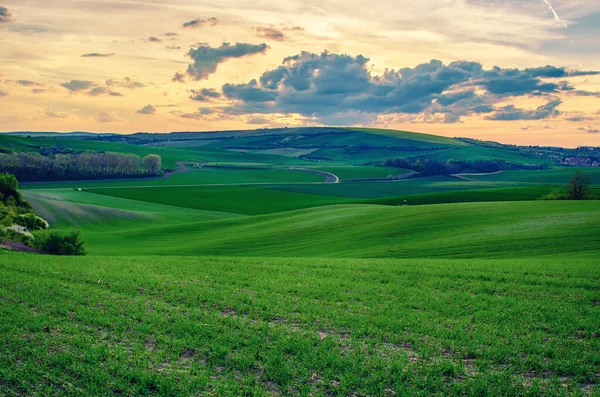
(467, 175)
(329, 177)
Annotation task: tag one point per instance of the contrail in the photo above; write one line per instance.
(563, 23)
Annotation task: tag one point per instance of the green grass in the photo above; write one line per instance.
(203, 176)
(474, 153)
(66, 208)
(362, 172)
(556, 176)
(464, 230)
(525, 193)
(380, 189)
(237, 199)
(221, 326)
(413, 136)
(302, 288)
(170, 156)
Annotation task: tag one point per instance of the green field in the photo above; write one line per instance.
(363, 172)
(557, 176)
(264, 326)
(206, 175)
(247, 277)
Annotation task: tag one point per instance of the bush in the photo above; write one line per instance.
(555, 195)
(55, 243)
(32, 222)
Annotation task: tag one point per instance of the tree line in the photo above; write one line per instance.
(426, 167)
(27, 166)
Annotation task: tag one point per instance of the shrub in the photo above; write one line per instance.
(32, 222)
(56, 243)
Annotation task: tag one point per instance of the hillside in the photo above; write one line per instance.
(284, 262)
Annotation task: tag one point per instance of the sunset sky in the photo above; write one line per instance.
(514, 71)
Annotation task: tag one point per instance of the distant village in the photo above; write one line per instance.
(583, 156)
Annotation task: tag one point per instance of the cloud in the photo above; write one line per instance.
(260, 120)
(108, 117)
(77, 85)
(555, 14)
(53, 112)
(199, 115)
(127, 82)
(276, 33)
(510, 112)
(204, 94)
(3, 93)
(38, 90)
(270, 33)
(171, 34)
(173, 47)
(154, 39)
(27, 83)
(5, 16)
(97, 55)
(179, 77)
(207, 59)
(198, 23)
(324, 85)
(148, 109)
(589, 130)
(99, 91)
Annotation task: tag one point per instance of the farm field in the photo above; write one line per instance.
(266, 326)
(251, 274)
(207, 175)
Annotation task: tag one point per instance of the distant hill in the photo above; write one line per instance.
(335, 145)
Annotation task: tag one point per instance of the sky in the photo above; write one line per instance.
(512, 71)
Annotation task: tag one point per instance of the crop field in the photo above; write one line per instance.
(556, 176)
(264, 326)
(363, 172)
(207, 175)
(380, 189)
(248, 272)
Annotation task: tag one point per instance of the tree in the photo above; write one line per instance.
(152, 163)
(8, 186)
(578, 188)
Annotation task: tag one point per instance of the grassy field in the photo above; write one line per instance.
(380, 189)
(218, 326)
(362, 172)
(206, 175)
(202, 284)
(556, 176)
(469, 230)
(238, 199)
(170, 156)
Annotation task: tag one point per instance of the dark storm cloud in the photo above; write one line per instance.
(207, 59)
(327, 84)
(5, 16)
(198, 23)
(204, 94)
(77, 85)
(96, 55)
(154, 39)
